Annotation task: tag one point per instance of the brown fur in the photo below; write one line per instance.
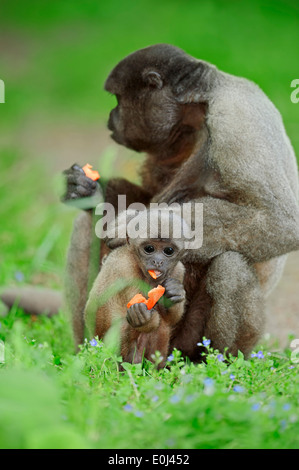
(134, 342)
(216, 139)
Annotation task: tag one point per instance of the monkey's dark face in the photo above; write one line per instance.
(158, 256)
(144, 119)
(152, 86)
(147, 113)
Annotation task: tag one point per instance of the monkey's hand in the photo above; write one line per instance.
(81, 191)
(138, 316)
(174, 290)
(114, 242)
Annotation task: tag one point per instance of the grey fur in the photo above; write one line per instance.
(217, 139)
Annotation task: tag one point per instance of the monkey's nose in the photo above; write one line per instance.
(158, 263)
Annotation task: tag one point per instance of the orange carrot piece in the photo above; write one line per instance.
(152, 273)
(92, 174)
(154, 295)
(137, 299)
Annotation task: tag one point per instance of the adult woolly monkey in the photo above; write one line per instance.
(217, 139)
(143, 329)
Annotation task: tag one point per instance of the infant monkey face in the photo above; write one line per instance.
(159, 257)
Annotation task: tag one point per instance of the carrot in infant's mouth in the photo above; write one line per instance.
(152, 273)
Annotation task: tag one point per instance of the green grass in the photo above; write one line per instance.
(54, 59)
(51, 398)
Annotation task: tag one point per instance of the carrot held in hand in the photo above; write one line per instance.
(153, 296)
(137, 299)
(92, 174)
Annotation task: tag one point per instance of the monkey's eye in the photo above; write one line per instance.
(149, 249)
(168, 251)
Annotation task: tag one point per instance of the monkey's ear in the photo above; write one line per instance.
(194, 82)
(152, 79)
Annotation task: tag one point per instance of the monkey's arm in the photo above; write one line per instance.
(122, 194)
(175, 298)
(132, 192)
(249, 211)
(86, 194)
(254, 215)
(258, 233)
(248, 182)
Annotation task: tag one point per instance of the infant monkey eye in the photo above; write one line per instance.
(168, 251)
(149, 249)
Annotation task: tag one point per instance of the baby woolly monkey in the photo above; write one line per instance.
(143, 331)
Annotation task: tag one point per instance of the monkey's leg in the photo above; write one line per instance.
(158, 341)
(137, 344)
(236, 318)
(137, 330)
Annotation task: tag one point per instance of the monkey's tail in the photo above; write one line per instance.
(33, 300)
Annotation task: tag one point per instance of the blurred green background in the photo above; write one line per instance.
(54, 58)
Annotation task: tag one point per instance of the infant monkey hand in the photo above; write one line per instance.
(174, 290)
(139, 316)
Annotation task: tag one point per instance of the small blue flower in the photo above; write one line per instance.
(170, 443)
(232, 376)
(206, 342)
(139, 414)
(260, 355)
(190, 398)
(170, 358)
(291, 367)
(93, 342)
(174, 399)
(286, 407)
(209, 387)
(283, 424)
(253, 355)
(220, 357)
(255, 407)
(155, 398)
(238, 389)
(19, 276)
(208, 382)
(128, 407)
